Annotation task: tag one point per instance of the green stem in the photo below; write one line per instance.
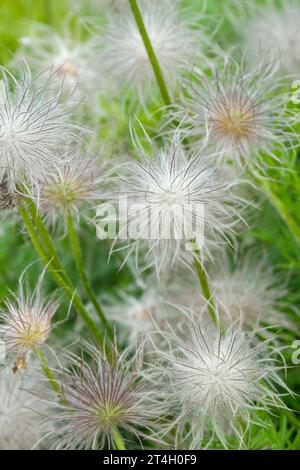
(48, 372)
(46, 239)
(60, 281)
(119, 442)
(32, 233)
(205, 286)
(150, 51)
(82, 274)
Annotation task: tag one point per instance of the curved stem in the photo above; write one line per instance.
(32, 233)
(205, 286)
(150, 51)
(47, 259)
(119, 442)
(82, 274)
(46, 239)
(48, 372)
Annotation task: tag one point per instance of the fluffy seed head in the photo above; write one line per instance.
(26, 322)
(73, 184)
(172, 38)
(101, 396)
(240, 113)
(141, 314)
(33, 126)
(217, 381)
(136, 314)
(72, 59)
(274, 29)
(170, 200)
(249, 291)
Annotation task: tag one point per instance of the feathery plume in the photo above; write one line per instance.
(33, 126)
(273, 28)
(241, 113)
(73, 184)
(71, 58)
(150, 304)
(103, 395)
(250, 291)
(170, 200)
(138, 315)
(26, 322)
(174, 40)
(216, 382)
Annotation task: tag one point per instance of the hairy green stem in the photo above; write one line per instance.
(82, 274)
(119, 442)
(46, 239)
(205, 286)
(150, 51)
(60, 280)
(48, 372)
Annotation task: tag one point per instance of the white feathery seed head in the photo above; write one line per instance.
(174, 40)
(26, 322)
(72, 58)
(103, 395)
(149, 303)
(20, 411)
(152, 309)
(137, 314)
(170, 200)
(217, 381)
(241, 113)
(72, 185)
(33, 126)
(274, 28)
(249, 291)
